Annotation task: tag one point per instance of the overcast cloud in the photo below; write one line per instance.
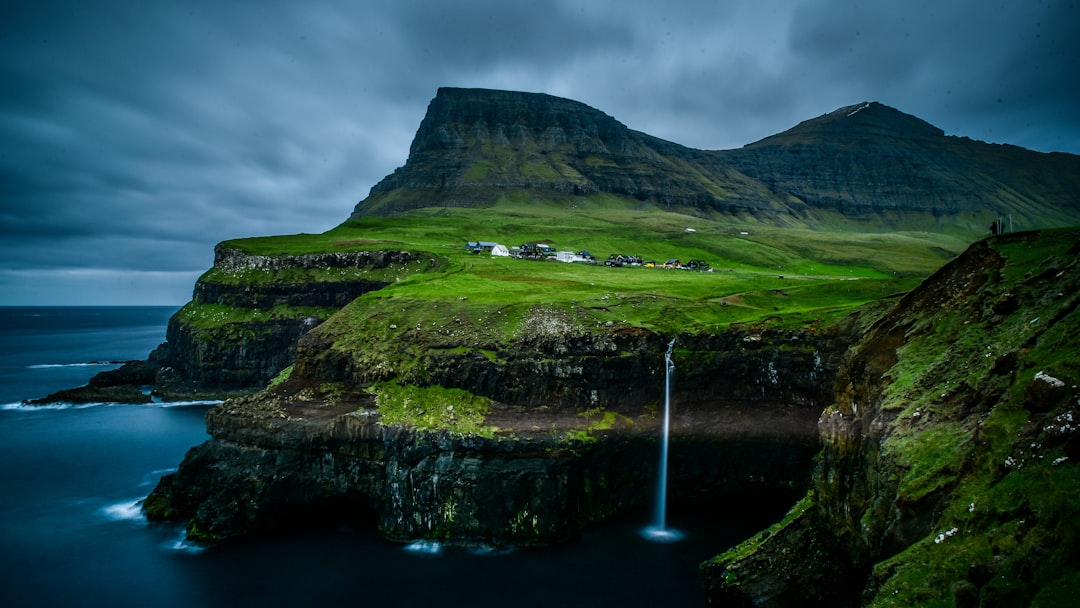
(136, 135)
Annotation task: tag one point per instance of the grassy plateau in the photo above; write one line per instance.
(758, 272)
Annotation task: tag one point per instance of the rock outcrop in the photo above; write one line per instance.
(948, 466)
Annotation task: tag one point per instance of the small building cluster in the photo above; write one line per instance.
(546, 251)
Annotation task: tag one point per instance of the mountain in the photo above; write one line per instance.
(475, 145)
(866, 165)
(869, 160)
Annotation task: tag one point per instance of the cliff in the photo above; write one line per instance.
(546, 438)
(248, 311)
(948, 468)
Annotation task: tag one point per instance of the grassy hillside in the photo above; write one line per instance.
(758, 271)
(948, 470)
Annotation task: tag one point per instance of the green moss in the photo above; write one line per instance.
(432, 408)
(1059, 593)
(752, 544)
(968, 440)
(156, 507)
(282, 376)
(210, 316)
(930, 457)
(197, 535)
(334, 391)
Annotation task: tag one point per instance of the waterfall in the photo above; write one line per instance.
(658, 531)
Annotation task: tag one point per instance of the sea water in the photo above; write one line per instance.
(72, 534)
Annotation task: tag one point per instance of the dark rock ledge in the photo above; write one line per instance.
(540, 480)
(295, 453)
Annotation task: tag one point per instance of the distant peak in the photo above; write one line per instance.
(853, 110)
(867, 118)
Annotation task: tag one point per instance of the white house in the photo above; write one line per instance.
(569, 256)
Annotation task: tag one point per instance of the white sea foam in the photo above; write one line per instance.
(60, 405)
(424, 547)
(182, 545)
(167, 404)
(129, 510)
(64, 405)
(85, 364)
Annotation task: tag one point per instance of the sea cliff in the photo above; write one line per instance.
(543, 464)
(948, 465)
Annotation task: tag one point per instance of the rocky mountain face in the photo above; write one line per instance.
(948, 473)
(475, 145)
(865, 164)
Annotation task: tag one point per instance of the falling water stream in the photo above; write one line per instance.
(658, 531)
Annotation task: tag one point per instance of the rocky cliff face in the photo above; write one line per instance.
(948, 460)
(243, 322)
(558, 457)
(248, 311)
(862, 163)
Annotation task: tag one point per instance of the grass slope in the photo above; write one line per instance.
(759, 271)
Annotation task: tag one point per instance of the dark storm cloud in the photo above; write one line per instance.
(981, 69)
(134, 136)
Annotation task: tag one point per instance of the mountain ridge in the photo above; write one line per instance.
(867, 165)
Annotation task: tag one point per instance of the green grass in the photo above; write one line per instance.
(301, 276)
(208, 316)
(432, 408)
(1008, 497)
(752, 544)
(803, 275)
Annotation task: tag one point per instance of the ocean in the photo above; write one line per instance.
(71, 533)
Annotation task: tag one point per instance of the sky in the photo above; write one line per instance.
(134, 136)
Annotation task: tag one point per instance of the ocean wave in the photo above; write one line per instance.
(183, 545)
(194, 402)
(31, 407)
(63, 405)
(84, 364)
(129, 510)
(427, 548)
